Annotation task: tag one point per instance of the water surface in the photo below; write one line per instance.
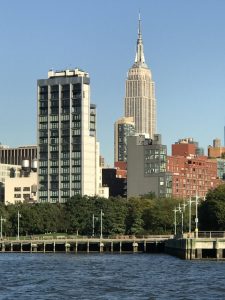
(108, 276)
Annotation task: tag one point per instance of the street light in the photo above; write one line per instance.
(102, 214)
(190, 202)
(93, 224)
(184, 204)
(183, 210)
(196, 215)
(175, 220)
(182, 217)
(18, 225)
(2, 220)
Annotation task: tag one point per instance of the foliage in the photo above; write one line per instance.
(212, 210)
(134, 216)
(159, 216)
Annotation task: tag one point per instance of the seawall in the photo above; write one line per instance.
(196, 248)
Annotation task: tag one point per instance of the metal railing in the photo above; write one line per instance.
(74, 237)
(211, 234)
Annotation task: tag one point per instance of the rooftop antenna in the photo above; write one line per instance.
(139, 23)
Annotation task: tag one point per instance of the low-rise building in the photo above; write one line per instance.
(15, 155)
(146, 167)
(192, 175)
(216, 151)
(7, 171)
(21, 189)
(187, 146)
(116, 183)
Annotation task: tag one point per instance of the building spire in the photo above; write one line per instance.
(139, 58)
(139, 26)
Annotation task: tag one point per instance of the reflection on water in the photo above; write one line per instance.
(108, 276)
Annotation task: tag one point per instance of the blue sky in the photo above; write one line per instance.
(184, 44)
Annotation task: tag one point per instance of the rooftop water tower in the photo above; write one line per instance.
(34, 165)
(25, 168)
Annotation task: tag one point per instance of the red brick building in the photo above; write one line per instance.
(216, 151)
(121, 169)
(183, 149)
(191, 175)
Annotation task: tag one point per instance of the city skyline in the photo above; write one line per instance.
(184, 48)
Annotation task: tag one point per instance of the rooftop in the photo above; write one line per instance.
(67, 73)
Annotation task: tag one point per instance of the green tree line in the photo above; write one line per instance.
(135, 216)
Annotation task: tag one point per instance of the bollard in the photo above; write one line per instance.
(76, 247)
(67, 247)
(101, 247)
(33, 247)
(135, 247)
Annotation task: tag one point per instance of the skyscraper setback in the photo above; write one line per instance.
(140, 102)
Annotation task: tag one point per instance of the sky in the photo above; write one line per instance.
(184, 46)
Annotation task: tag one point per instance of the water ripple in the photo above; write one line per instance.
(108, 276)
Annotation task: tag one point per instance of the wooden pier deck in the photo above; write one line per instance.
(122, 244)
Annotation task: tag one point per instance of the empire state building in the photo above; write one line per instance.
(140, 102)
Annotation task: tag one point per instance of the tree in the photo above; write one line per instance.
(212, 210)
(115, 212)
(158, 217)
(134, 221)
(78, 211)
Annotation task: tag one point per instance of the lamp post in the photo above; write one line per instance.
(2, 220)
(93, 224)
(102, 214)
(18, 225)
(182, 218)
(175, 220)
(196, 216)
(190, 202)
(184, 205)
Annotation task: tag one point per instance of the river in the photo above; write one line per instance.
(108, 276)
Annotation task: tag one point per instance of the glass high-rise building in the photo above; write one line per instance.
(68, 153)
(123, 128)
(140, 102)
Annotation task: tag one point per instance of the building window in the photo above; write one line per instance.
(43, 163)
(17, 196)
(54, 170)
(26, 189)
(17, 189)
(54, 193)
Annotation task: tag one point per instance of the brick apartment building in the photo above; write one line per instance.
(191, 174)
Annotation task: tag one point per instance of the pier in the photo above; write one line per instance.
(208, 245)
(120, 244)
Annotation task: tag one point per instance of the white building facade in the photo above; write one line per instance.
(7, 171)
(68, 152)
(21, 189)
